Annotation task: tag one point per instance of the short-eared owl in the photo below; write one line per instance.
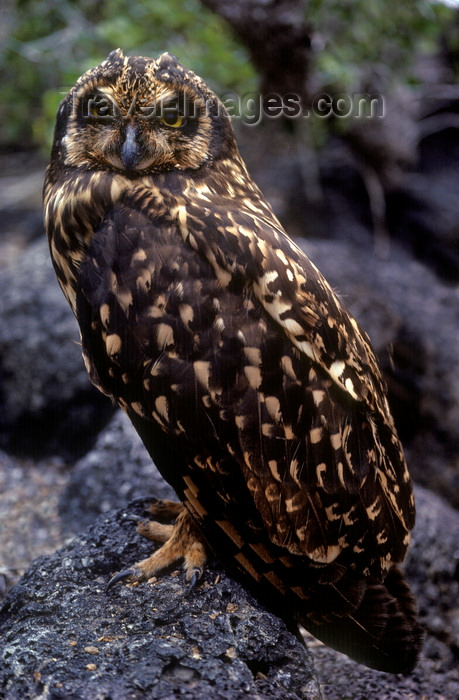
(256, 393)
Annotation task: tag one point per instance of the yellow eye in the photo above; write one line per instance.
(100, 107)
(172, 118)
(95, 111)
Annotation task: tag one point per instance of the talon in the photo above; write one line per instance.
(131, 517)
(196, 575)
(133, 573)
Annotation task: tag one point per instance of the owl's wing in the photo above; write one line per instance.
(321, 454)
(294, 294)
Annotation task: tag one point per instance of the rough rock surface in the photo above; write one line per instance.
(63, 636)
(70, 583)
(30, 524)
(117, 470)
(47, 405)
(432, 565)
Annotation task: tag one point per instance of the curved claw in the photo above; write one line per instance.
(133, 573)
(195, 578)
(130, 517)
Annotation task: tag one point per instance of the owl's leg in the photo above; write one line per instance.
(162, 509)
(165, 509)
(181, 541)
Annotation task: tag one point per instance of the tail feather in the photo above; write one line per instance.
(382, 632)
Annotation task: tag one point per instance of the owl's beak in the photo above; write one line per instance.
(131, 153)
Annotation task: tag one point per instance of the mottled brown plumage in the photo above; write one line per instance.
(255, 391)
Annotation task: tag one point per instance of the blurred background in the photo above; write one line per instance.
(373, 200)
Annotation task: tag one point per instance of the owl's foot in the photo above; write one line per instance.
(164, 509)
(182, 540)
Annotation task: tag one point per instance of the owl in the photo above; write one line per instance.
(255, 391)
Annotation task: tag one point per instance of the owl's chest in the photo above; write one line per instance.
(152, 314)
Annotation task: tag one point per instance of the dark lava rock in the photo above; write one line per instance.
(117, 470)
(432, 566)
(63, 636)
(47, 404)
(424, 212)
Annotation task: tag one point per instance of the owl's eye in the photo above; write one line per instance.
(99, 107)
(172, 118)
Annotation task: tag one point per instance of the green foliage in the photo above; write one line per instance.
(362, 41)
(369, 46)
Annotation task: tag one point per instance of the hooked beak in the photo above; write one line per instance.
(131, 152)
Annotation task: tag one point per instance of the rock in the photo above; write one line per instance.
(58, 626)
(423, 215)
(63, 636)
(424, 212)
(47, 404)
(21, 176)
(432, 565)
(117, 470)
(29, 515)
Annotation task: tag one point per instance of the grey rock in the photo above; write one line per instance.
(29, 520)
(424, 212)
(63, 636)
(432, 565)
(46, 401)
(117, 470)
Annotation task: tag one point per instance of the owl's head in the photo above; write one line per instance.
(138, 116)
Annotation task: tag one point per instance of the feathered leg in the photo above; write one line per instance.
(181, 541)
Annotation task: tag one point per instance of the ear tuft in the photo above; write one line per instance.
(116, 54)
(167, 60)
